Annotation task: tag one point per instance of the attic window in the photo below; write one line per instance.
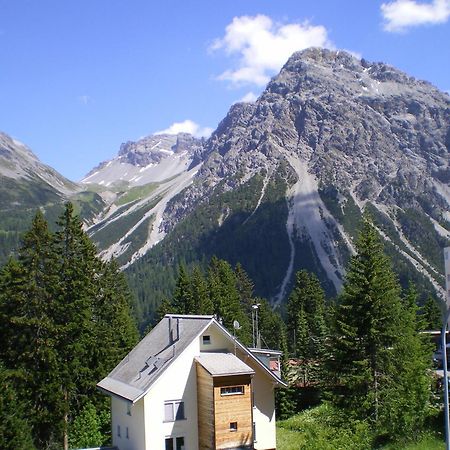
(206, 339)
(233, 426)
(232, 390)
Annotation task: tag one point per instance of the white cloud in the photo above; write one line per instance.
(248, 97)
(187, 126)
(84, 99)
(402, 14)
(263, 46)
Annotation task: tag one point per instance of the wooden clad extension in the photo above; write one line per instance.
(205, 406)
(224, 419)
(230, 409)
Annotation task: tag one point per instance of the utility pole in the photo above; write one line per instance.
(446, 317)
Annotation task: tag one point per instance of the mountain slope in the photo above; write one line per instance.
(335, 135)
(27, 184)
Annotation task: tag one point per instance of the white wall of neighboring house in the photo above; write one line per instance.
(130, 425)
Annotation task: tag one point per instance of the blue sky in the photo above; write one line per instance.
(78, 78)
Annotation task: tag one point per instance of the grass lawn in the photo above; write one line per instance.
(312, 430)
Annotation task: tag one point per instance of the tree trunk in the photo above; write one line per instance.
(66, 421)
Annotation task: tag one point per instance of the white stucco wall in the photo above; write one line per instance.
(179, 382)
(134, 423)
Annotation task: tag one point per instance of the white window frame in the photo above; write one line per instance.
(232, 390)
(175, 407)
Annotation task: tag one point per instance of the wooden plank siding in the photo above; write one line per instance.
(205, 406)
(233, 408)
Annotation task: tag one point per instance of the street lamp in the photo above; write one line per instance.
(255, 308)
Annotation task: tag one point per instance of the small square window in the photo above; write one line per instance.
(233, 426)
(206, 340)
(174, 410)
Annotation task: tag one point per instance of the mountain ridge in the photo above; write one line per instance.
(282, 182)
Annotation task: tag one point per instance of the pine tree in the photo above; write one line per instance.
(432, 315)
(374, 332)
(225, 298)
(15, 431)
(183, 301)
(66, 320)
(306, 316)
(199, 289)
(406, 400)
(27, 322)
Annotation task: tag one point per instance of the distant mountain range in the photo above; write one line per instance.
(279, 186)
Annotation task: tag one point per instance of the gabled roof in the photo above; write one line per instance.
(135, 374)
(223, 364)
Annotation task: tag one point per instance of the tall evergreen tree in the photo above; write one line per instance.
(406, 399)
(27, 323)
(373, 328)
(306, 317)
(66, 316)
(183, 301)
(15, 431)
(432, 314)
(225, 298)
(199, 289)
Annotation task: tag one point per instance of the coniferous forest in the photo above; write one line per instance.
(358, 364)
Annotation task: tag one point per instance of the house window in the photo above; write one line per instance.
(254, 432)
(118, 430)
(175, 443)
(127, 436)
(129, 409)
(232, 390)
(179, 441)
(206, 340)
(173, 410)
(233, 426)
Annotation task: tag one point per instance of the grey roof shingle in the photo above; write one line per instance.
(135, 374)
(221, 364)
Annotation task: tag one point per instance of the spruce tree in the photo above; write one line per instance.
(307, 330)
(66, 320)
(199, 289)
(431, 314)
(374, 336)
(406, 400)
(183, 301)
(15, 431)
(222, 286)
(27, 324)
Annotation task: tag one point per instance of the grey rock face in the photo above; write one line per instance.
(330, 119)
(362, 126)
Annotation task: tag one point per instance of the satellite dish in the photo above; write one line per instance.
(236, 325)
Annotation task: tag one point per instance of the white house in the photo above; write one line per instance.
(188, 385)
